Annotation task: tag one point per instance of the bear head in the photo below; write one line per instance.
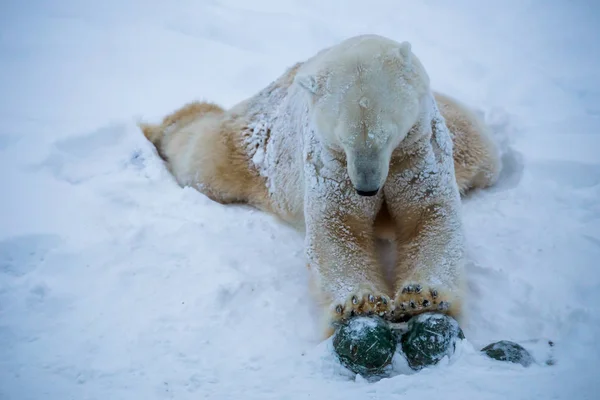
(365, 95)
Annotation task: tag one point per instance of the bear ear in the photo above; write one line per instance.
(308, 82)
(405, 49)
(402, 52)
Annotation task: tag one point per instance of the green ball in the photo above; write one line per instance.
(505, 350)
(430, 337)
(365, 345)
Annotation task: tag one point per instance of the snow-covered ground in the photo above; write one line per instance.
(117, 284)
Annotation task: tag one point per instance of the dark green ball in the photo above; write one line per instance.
(505, 350)
(365, 345)
(429, 338)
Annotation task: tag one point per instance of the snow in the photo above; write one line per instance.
(359, 325)
(116, 283)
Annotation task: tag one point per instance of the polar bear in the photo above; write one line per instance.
(348, 146)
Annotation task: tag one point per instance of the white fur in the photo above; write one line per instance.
(365, 95)
(356, 117)
(363, 98)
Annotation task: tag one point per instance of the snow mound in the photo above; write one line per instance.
(115, 283)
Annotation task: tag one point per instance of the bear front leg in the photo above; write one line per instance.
(423, 200)
(341, 252)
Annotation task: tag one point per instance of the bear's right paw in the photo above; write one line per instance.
(364, 302)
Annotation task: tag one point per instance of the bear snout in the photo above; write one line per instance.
(367, 184)
(367, 181)
(368, 193)
(367, 171)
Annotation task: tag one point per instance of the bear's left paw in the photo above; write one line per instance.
(415, 298)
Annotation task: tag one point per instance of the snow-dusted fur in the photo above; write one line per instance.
(357, 117)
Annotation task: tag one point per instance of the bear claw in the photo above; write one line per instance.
(412, 289)
(415, 298)
(361, 304)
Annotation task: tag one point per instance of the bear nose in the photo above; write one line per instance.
(367, 193)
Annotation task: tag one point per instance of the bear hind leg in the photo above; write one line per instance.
(476, 157)
(201, 148)
(158, 134)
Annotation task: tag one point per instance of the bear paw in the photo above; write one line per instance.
(364, 302)
(414, 298)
